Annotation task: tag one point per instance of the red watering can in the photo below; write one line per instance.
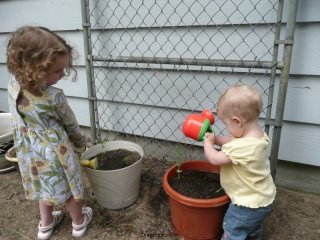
(196, 125)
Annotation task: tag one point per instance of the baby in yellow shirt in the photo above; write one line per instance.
(245, 169)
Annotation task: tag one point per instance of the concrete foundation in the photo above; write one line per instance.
(298, 176)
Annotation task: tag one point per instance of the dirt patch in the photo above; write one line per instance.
(295, 214)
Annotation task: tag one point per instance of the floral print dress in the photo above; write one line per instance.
(46, 132)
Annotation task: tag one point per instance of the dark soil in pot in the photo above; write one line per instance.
(197, 184)
(117, 159)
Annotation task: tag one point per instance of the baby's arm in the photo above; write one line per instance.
(215, 157)
(220, 140)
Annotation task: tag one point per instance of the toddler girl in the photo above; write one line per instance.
(45, 129)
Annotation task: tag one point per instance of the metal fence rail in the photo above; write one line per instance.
(151, 63)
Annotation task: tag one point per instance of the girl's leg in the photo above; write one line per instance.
(81, 217)
(45, 213)
(49, 220)
(75, 210)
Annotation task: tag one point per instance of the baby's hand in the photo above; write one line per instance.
(209, 137)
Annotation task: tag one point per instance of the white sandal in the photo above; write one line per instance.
(80, 230)
(46, 232)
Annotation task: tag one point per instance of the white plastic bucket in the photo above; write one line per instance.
(6, 140)
(5, 128)
(115, 189)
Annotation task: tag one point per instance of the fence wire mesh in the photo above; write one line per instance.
(155, 62)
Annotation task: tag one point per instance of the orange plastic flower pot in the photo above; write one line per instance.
(195, 218)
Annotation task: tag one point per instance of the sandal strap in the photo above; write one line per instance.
(46, 228)
(57, 217)
(87, 216)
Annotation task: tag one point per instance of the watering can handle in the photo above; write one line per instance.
(93, 163)
(203, 132)
(210, 130)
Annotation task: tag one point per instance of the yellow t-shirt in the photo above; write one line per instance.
(247, 180)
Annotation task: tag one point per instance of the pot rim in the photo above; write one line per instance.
(131, 146)
(203, 203)
(9, 157)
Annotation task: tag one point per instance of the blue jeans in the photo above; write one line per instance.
(242, 223)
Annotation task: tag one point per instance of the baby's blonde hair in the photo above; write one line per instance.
(242, 101)
(31, 52)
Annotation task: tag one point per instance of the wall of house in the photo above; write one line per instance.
(301, 131)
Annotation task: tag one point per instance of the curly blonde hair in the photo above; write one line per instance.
(241, 100)
(31, 52)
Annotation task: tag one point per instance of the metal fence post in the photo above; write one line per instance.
(274, 66)
(288, 45)
(89, 68)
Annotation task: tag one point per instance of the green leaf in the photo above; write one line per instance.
(50, 174)
(53, 140)
(30, 119)
(47, 108)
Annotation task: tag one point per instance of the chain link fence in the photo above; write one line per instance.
(151, 63)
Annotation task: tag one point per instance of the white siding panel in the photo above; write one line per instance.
(303, 99)
(308, 10)
(143, 120)
(4, 76)
(174, 89)
(300, 143)
(179, 43)
(176, 13)
(169, 89)
(3, 46)
(4, 106)
(80, 108)
(186, 43)
(306, 49)
(75, 87)
(305, 60)
(75, 39)
(53, 14)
